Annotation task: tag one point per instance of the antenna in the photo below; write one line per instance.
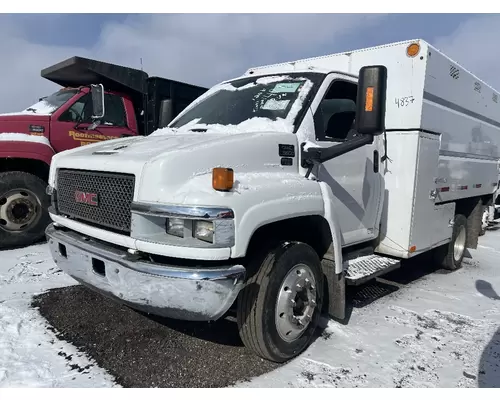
(141, 63)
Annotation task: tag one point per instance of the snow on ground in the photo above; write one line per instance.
(442, 330)
(30, 354)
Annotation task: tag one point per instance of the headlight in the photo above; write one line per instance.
(175, 226)
(204, 230)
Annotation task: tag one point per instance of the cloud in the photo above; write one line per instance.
(473, 44)
(195, 48)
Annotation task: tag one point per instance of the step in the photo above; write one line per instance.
(362, 269)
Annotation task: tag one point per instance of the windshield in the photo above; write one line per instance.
(48, 105)
(271, 102)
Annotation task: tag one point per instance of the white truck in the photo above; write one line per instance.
(273, 191)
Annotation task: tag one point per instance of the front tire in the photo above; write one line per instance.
(279, 309)
(23, 209)
(450, 256)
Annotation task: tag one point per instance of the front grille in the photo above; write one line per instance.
(102, 199)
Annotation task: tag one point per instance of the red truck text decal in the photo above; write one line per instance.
(86, 198)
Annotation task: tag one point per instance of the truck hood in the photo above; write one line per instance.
(22, 123)
(173, 167)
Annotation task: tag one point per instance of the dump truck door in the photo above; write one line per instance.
(70, 127)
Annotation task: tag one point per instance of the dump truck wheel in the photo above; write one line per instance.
(279, 308)
(23, 209)
(450, 256)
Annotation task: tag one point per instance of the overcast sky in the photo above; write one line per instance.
(205, 49)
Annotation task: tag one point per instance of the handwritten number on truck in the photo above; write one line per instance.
(404, 101)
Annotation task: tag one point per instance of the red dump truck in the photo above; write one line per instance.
(134, 104)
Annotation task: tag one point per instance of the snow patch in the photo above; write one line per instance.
(30, 353)
(40, 108)
(24, 137)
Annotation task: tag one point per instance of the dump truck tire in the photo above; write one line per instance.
(23, 209)
(279, 308)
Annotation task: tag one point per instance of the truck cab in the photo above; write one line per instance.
(133, 104)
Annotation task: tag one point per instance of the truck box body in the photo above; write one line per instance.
(443, 133)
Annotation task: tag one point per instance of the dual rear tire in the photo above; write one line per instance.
(451, 255)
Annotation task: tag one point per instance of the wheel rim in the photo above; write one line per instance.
(459, 245)
(296, 302)
(19, 209)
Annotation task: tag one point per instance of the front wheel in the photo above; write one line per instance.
(279, 309)
(23, 209)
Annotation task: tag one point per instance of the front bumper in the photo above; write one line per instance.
(187, 293)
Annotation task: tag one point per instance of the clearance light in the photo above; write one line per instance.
(412, 50)
(222, 179)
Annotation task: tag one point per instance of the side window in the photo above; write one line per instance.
(334, 118)
(81, 111)
(114, 111)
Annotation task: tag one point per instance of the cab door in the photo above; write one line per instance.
(70, 128)
(355, 178)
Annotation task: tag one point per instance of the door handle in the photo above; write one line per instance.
(375, 161)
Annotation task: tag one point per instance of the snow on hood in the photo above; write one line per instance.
(40, 108)
(24, 137)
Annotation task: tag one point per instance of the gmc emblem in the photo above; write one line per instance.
(86, 198)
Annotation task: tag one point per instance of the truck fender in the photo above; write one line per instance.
(27, 150)
(270, 211)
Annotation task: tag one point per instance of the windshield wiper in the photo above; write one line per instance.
(31, 109)
(198, 130)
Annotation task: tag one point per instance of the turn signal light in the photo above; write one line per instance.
(222, 179)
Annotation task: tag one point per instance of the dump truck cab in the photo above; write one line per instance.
(133, 103)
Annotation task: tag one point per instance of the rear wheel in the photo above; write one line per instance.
(450, 256)
(279, 309)
(23, 209)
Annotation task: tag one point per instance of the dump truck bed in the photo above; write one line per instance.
(80, 71)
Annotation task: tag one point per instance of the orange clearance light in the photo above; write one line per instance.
(412, 50)
(222, 179)
(369, 99)
(413, 249)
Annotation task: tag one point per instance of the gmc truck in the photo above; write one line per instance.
(275, 190)
(134, 104)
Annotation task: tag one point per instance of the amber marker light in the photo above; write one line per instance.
(412, 50)
(369, 99)
(222, 179)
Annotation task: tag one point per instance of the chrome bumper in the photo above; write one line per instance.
(187, 293)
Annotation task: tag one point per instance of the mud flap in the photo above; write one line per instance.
(335, 290)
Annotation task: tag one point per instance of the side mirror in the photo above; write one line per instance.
(372, 90)
(97, 93)
(166, 113)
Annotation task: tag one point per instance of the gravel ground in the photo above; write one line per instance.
(454, 345)
(143, 351)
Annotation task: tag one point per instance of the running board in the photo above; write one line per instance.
(362, 269)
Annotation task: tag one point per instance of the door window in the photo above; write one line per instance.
(335, 116)
(81, 111)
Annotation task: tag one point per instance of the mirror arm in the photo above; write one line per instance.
(320, 155)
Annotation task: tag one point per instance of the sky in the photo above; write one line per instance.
(206, 49)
